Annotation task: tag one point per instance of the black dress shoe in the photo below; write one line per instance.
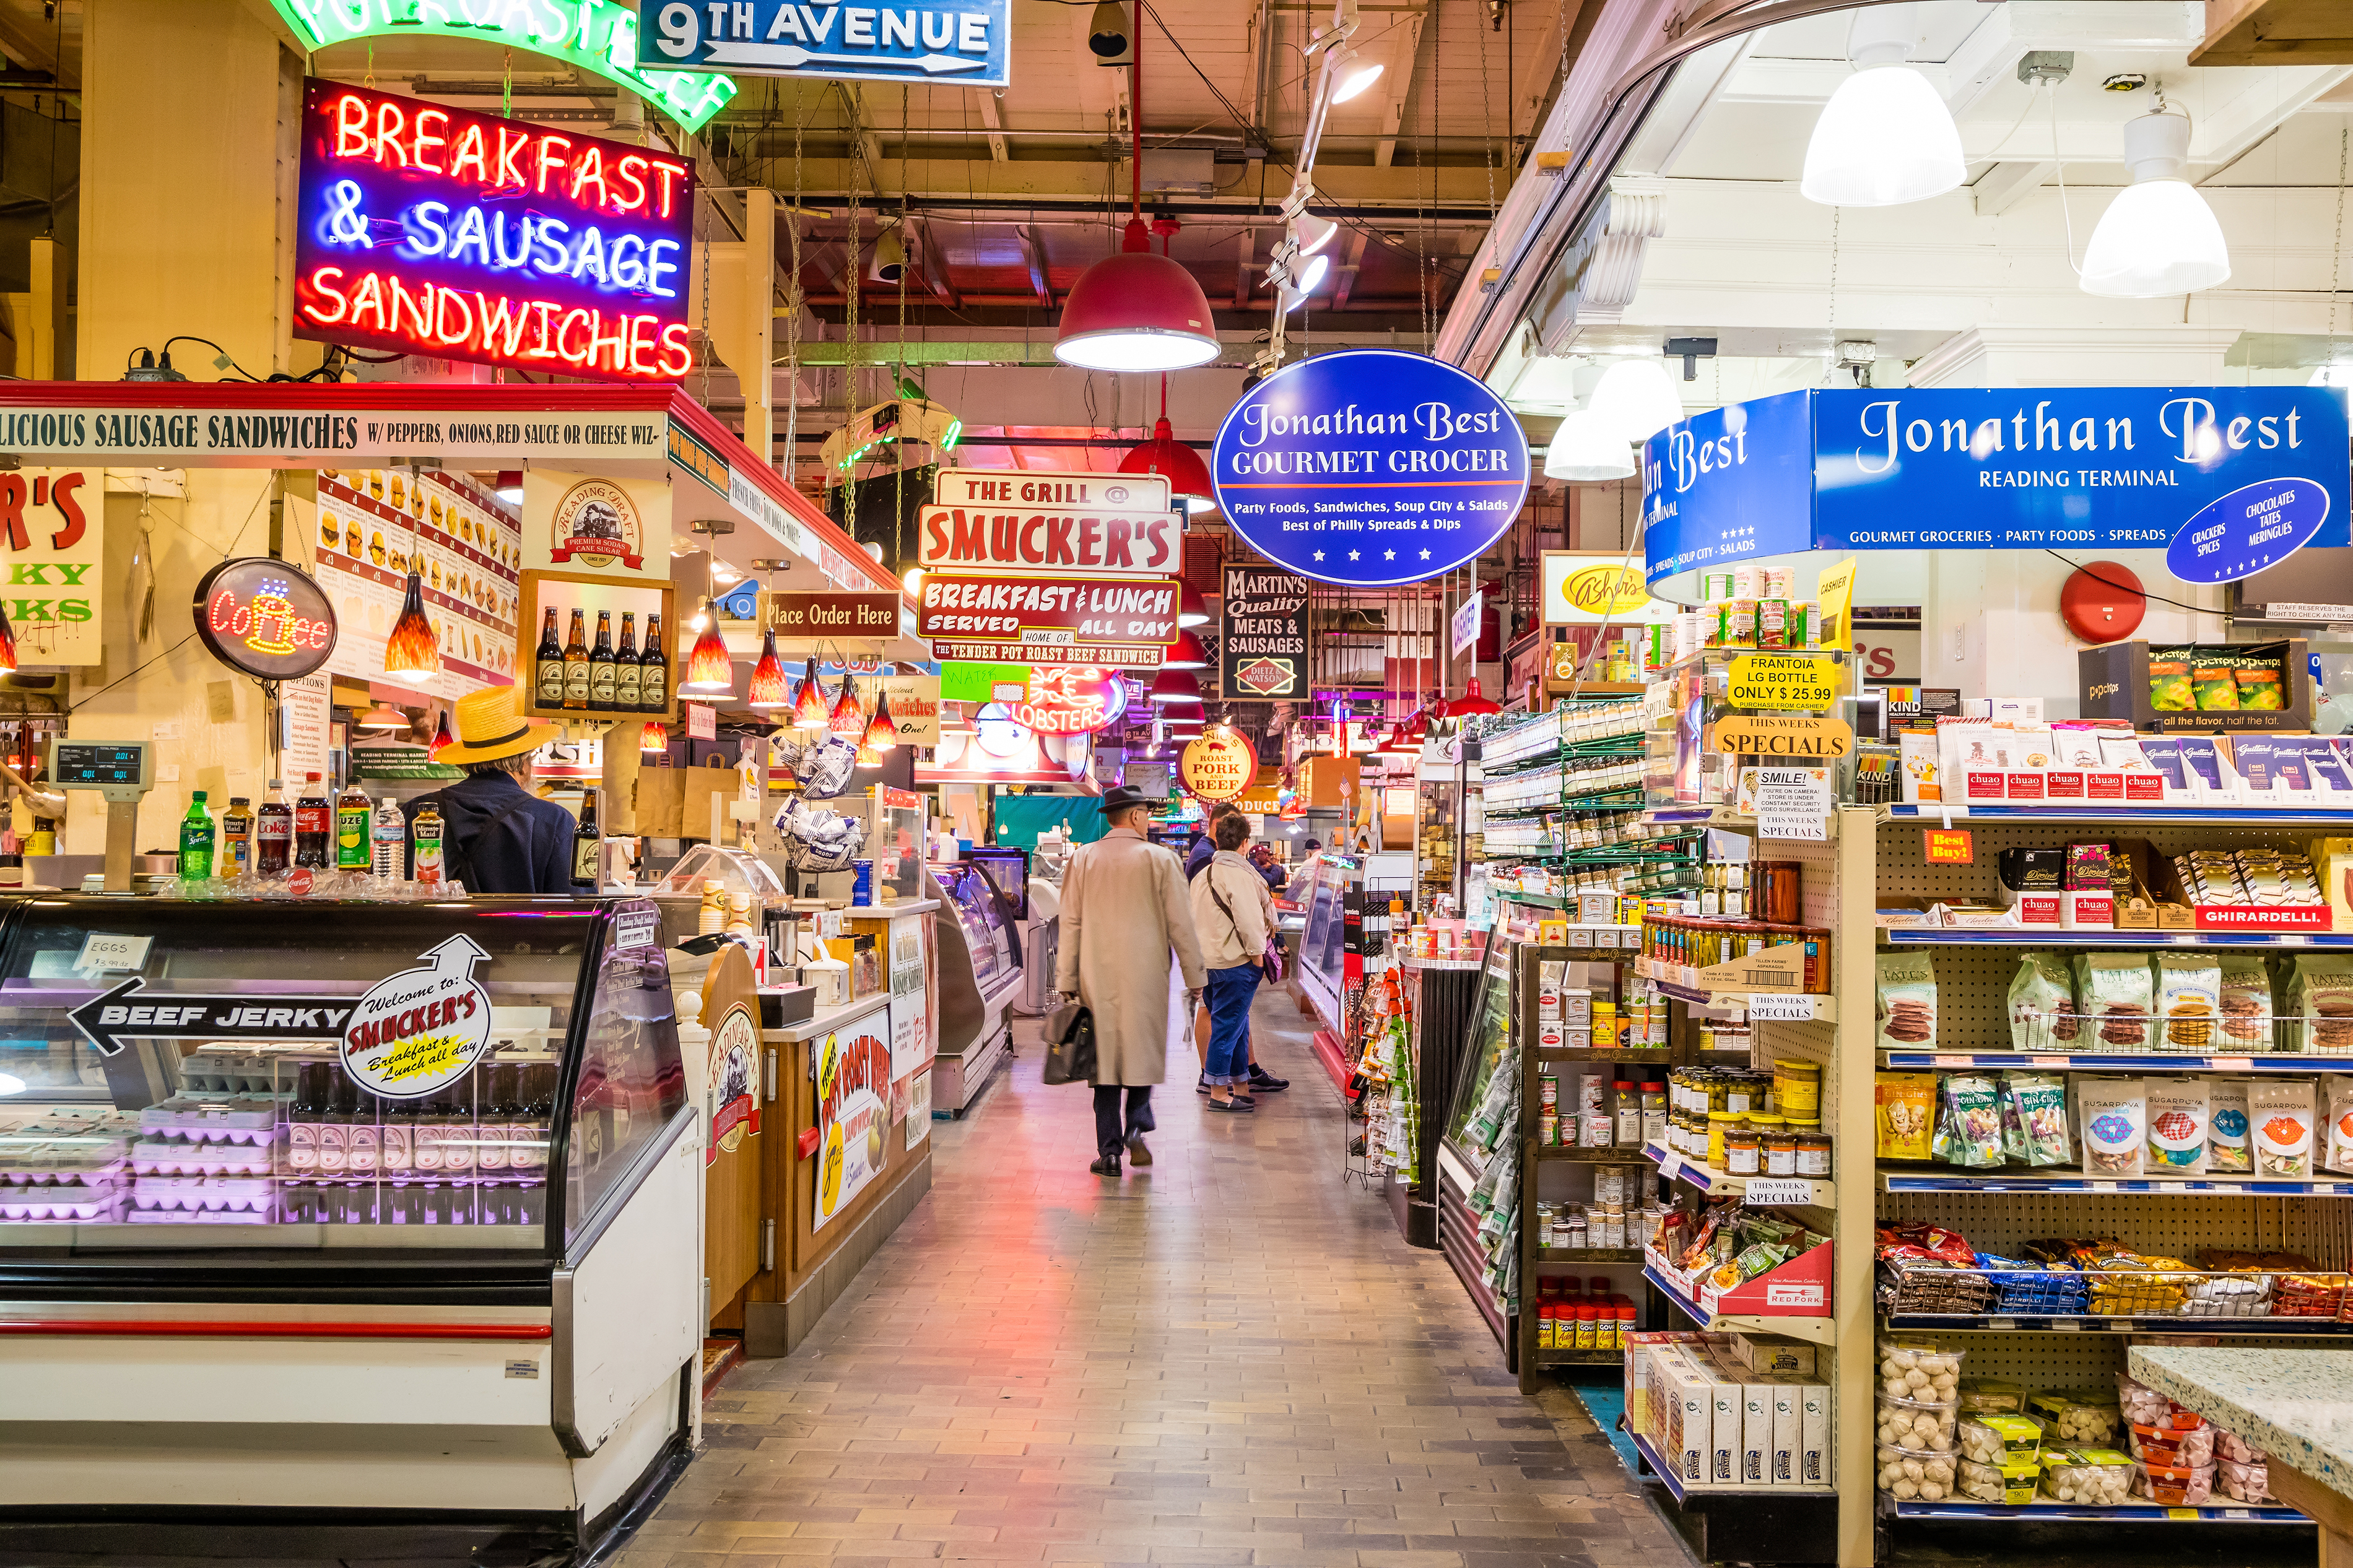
(1263, 1079)
(1105, 1166)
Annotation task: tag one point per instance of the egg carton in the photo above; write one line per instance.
(60, 1205)
(190, 1157)
(206, 1194)
(243, 1121)
(32, 1168)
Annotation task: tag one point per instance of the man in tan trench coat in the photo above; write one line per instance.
(1124, 912)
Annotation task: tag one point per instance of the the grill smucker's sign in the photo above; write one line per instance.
(853, 1112)
(1262, 640)
(1075, 524)
(430, 230)
(422, 1029)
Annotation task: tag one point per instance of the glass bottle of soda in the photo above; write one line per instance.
(575, 663)
(548, 665)
(273, 833)
(629, 674)
(314, 823)
(602, 674)
(653, 672)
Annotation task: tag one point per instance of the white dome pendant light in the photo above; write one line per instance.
(1885, 136)
(1585, 450)
(2159, 236)
(1635, 400)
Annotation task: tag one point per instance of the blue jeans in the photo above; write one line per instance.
(1229, 994)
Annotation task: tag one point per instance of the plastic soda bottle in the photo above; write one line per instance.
(425, 853)
(351, 825)
(196, 842)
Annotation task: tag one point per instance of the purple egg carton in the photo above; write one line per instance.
(195, 1157)
(235, 1120)
(157, 1196)
(66, 1206)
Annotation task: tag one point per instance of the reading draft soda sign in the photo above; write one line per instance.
(1370, 468)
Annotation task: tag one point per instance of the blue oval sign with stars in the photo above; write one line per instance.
(1370, 468)
(2254, 526)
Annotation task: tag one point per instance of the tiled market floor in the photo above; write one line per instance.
(1228, 1358)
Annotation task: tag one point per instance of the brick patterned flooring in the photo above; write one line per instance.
(1227, 1358)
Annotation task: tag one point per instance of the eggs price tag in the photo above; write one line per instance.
(2234, 1064)
(108, 950)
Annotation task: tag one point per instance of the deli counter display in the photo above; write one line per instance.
(980, 973)
(325, 1206)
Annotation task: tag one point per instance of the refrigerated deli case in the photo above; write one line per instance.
(313, 1208)
(981, 972)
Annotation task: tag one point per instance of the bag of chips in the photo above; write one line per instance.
(1969, 1129)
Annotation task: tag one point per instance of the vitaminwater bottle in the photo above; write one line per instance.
(387, 838)
(196, 842)
(425, 852)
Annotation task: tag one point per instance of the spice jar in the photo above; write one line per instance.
(1742, 1147)
(1719, 1126)
(1654, 1113)
(1778, 1146)
(1813, 1149)
(1629, 1114)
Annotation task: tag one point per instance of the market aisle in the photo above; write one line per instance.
(1227, 1358)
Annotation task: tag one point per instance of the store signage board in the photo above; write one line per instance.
(427, 230)
(2090, 468)
(1780, 1008)
(599, 37)
(1096, 525)
(1019, 612)
(1464, 625)
(962, 43)
(914, 707)
(701, 721)
(1806, 737)
(853, 1082)
(1105, 656)
(306, 718)
(1263, 641)
(1948, 846)
(53, 534)
(263, 618)
(800, 615)
(1582, 589)
(1793, 802)
(1070, 700)
(1369, 467)
(1781, 680)
(467, 551)
(1217, 766)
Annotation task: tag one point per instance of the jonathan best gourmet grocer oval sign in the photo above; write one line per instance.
(1369, 466)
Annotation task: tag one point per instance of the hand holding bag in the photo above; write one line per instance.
(1069, 1044)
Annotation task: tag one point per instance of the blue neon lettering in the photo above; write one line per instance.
(499, 256)
(552, 259)
(470, 233)
(589, 257)
(625, 261)
(656, 267)
(427, 217)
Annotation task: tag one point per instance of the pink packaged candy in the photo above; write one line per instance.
(2180, 1449)
(2231, 1445)
(2174, 1486)
(2243, 1482)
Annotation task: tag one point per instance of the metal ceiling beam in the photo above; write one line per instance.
(1405, 59)
(992, 115)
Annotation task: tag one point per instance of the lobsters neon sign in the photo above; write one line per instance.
(430, 230)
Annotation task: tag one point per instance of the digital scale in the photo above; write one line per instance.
(122, 772)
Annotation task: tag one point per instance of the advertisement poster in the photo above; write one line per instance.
(853, 1115)
(919, 1109)
(1262, 652)
(735, 1111)
(306, 710)
(468, 548)
(52, 524)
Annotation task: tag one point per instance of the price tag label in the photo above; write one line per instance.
(2238, 1513)
(2234, 1064)
(1670, 1166)
(2001, 1322)
(2048, 1061)
(2102, 1186)
(1953, 1061)
(2225, 1187)
(1779, 1004)
(2181, 1513)
(2065, 1325)
(1946, 846)
(1764, 1191)
(102, 950)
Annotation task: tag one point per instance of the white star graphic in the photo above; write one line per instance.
(1425, 556)
(1354, 556)
(1319, 556)
(1388, 555)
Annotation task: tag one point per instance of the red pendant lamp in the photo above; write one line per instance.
(849, 718)
(655, 739)
(881, 734)
(1188, 476)
(1192, 610)
(1186, 654)
(767, 691)
(809, 699)
(1471, 703)
(441, 738)
(412, 654)
(1175, 688)
(1136, 310)
(708, 672)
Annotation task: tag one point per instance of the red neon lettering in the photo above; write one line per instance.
(444, 299)
(547, 145)
(321, 283)
(351, 126)
(367, 299)
(12, 511)
(508, 173)
(674, 342)
(502, 319)
(564, 326)
(470, 151)
(618, 342)
(227, 616)
(389, 123)
(418, 307)
(541, 310)
(421, 139)
(637, 182)
(590, 171)
(61, 497)
(642, 329)
(669, 175)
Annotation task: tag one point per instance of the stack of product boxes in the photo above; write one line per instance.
(1730, 1410)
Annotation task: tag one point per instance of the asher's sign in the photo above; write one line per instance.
(433, 231)
(1099, 525)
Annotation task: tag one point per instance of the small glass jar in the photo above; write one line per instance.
(1777, 1145)
(1719, 1127)
(1740, 1096)
(1743, 1148)
(1654, 1113)
(1813, 1150)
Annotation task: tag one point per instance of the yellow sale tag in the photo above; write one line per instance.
(1782, 680)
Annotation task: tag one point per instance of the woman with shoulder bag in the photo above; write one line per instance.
(1234, 913)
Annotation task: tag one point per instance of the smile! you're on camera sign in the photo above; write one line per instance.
(2227, 480)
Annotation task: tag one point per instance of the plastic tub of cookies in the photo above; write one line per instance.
(2001, 1440)
(2175, 1486)
(1911, 1367)
(2077, 1418)
(1909, 1424)
(1907, 1474)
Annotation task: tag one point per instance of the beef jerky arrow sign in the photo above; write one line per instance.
(107, 1021)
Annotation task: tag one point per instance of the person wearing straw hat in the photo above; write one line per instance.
(497, 837)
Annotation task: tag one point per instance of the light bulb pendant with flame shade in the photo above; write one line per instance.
(708, 672)
(767, 691)
(881, 734)
(809, 699)
(849, 718)
(655, 739)
(1886, 137)
(1585, 450)
(1188, 476)
(2159, 236)
(412, 654)
(1136, 310)
(1186, 654)
(442, 740)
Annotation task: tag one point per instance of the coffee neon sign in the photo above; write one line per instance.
(259, 615)
(431, 230)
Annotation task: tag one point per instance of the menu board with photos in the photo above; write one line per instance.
(467, 547)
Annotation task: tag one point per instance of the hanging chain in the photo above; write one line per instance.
(707, 209)
(1832, 312)
(506, 88)
(850, 279)
(2337, 254)
(793, 296)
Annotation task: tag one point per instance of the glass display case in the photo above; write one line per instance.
(895, 842)
(1322, 939)
(740, 873)
(979, 971)
(1489, 1044)
(325, 1077)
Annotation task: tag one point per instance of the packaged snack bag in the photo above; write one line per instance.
(2115, 1117)
(2189, 996)
(1907, 1000)
(2170, 689)
(1905, 1114)
(2214, 682)
(2042, 1001)
(2246, 1003)
(2227, 1148)
(2282, 1112)
(2117, 992)
(2176, 1108)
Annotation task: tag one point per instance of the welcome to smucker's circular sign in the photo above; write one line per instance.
(1370, 468)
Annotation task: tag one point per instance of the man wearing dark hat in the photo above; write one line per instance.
(1125, 916)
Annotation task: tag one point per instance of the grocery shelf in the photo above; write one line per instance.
(1822, 1007)
(1588, 1255)
(2154, 815)
(2102, 1061)
(2061, 1180)
(1601, 1154)
(1666, 1473)
(2042, 936)
(2028, 1323)
(2052, 1513)
(1638, 1055)
(1716, 1183)
(1612, 1357)
(1813, 1331)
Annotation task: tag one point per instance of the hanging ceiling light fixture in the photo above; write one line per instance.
(1585, 450)
(412, 654)
(810, 711)
(381, 717)
(1635, 399)
(848, 717)
(709, 671)
(654, 738)
(1136, 310)
(442, 740)
(881, 734)
(1192, 610)
(1472, 703)
(1175, 688)
(1187, 654)
(1885, 136)
(889, 255)
(2159, 236)
(767, 691)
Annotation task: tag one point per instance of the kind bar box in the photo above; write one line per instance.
(1916, 706)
